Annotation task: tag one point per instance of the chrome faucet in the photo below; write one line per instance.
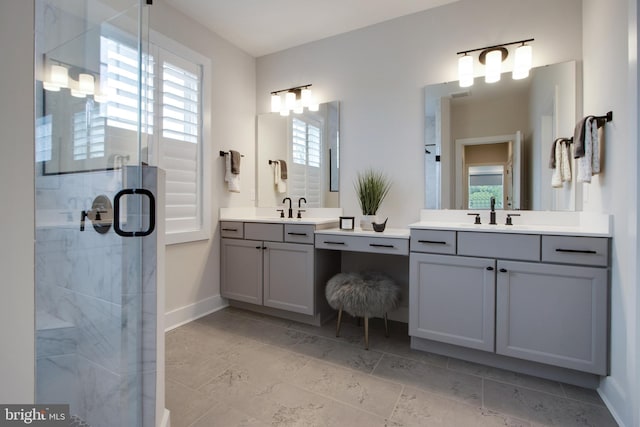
(300, 205)
(492, 215)
(290, 209)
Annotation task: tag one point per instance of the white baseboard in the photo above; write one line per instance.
(188, 313)
(166, 419)
(611, 408)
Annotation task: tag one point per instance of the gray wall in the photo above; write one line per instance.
(17, 213)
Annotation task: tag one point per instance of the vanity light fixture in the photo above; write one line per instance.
(294, 99)
(493, 57)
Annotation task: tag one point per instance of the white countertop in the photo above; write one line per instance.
(587, 224)
(276, 220)
(394, 233)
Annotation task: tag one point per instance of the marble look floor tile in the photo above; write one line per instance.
(543, 408)
(420, 408)
(348, 386)
(401, 346)
(347, 355)
(227, 416)
(259, 316)
(186, 405)
(584, 394)
(456, 385)
(502, 375)
(288, 405)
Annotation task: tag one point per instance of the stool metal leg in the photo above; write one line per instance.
(366, 333)
(338, 324)
(386, 326)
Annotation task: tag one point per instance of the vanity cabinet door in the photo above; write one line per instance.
(553, 314)
(241, 270)
(452, 300)
(289, 277)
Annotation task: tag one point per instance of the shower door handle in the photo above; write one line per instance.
(116, 212)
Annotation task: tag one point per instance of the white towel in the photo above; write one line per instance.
(562, 171)
(589, 164)
(281, 184)
(232, 179)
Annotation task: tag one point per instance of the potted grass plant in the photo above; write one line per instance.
(371, 188)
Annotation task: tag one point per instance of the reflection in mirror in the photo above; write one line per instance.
(309, 145)
(508, 126)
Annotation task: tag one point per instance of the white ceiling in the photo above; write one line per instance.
(260, 27)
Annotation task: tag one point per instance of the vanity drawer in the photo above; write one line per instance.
(433, 241)
(263, 231)
(525, 247)
(592, 251)
(232, 229)
(297, 233)
(380, 245)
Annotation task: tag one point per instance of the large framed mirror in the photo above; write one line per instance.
(308, 146)
(495, 140)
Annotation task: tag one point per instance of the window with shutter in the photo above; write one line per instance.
(305, 175)
(173, 105)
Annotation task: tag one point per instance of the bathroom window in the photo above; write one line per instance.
(484, 183)
(177, 134)
(305, 174)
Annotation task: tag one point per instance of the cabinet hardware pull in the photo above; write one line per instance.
(577, 251)
(297, 234)
(489, 268)
(258, 247)
(333, 243)
(503, 270)
(432, 242)
(229, 229)
(377, 245)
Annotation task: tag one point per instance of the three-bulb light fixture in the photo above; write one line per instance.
(294, 99)
(492, 57)
(58, 78)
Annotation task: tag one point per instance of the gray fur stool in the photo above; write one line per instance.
(367, 294)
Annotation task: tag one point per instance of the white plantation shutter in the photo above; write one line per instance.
(88, 133)
(119, 63)
(174, 104)
(305, 174)
(180, 143)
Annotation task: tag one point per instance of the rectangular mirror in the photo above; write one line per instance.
(508, 126)
(309, 145)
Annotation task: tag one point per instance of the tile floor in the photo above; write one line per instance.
(237, 368)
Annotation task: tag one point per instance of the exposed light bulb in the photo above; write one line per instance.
(284, 112)
(276, 103)
(465, 70)
(493, 66)
(522, 62)
(59, 76)
(86, 84)
(290, 101)
(305, 97)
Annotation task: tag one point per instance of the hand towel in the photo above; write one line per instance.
(579, 148)
(232, 179)
(235, 161)
(589, 165)
(556, 178)
(283, 169)
(565, 166)
(281, 184)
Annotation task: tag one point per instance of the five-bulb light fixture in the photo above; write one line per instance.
(58, 78)
(492, 57)
(294, 99)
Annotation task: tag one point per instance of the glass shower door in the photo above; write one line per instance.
(96, 305)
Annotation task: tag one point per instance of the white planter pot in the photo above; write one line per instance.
(367, 220)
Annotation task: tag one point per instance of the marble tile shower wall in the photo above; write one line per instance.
(90, 306)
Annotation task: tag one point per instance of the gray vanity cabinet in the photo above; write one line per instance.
(288, 277)
(452, 300)
(271, 265)
(553, 314)
(241, 270)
